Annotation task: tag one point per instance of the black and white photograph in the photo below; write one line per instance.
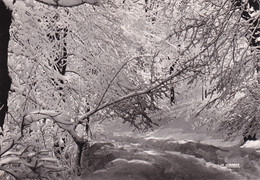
(129, 90)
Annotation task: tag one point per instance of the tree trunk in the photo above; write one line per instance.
(5, 80)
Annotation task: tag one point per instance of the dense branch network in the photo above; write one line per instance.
(137, 97)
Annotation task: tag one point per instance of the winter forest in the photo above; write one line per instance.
(129, 89)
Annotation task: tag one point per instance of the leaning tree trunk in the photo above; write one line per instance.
(5, 80)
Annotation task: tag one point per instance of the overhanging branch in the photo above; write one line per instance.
(133, 94)
(70, 3)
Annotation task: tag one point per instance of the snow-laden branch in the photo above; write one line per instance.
(62, 120)
(116, 74)
(70, 3)
(133, 94)
(61, 3)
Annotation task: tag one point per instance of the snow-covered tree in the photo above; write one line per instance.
(110, 72)
(75, 65)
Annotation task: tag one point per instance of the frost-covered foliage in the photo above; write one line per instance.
(215, 44)
(68, 64)
(234, 66)
(105, 59)
(243, 119)
(72, 65)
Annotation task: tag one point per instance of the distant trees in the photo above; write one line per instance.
(233, 66)
(220, 43)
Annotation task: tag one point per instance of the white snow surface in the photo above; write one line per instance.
(137, 161)
(153, 152)
(9, 4)
(252, 145)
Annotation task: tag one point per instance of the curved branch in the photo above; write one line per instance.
(116, 74)
(60, 119)
(137, 93)
(70, 3)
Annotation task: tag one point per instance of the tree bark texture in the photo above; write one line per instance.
(5, 80)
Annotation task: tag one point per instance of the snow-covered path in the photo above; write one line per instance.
(242, 161)
(136, 158)
(175, 151)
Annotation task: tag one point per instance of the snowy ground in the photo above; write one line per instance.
(174, 151)
(252, 145)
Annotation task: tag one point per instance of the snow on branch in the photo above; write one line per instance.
(61, 3)
(116, 74)
(130, 95)
(70, 3)
(60, 119)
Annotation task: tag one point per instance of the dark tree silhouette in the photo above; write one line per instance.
(172, 91)
(250, 138)
(5, 80)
